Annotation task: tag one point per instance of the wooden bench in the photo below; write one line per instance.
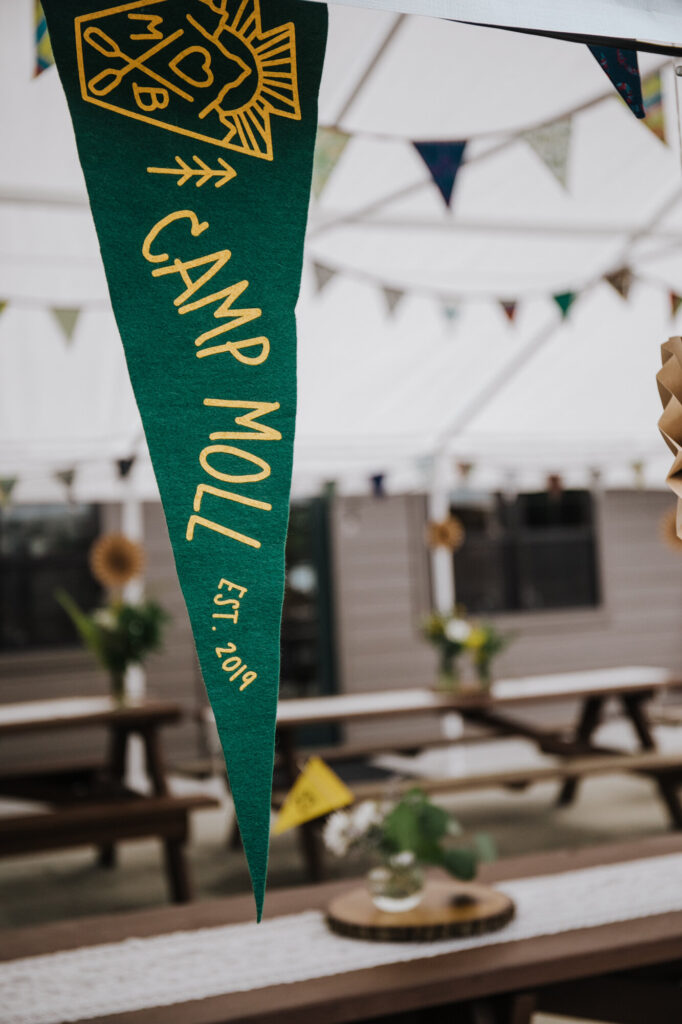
(104, 824)
(90, 803)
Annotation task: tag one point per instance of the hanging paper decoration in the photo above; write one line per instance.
(203, 283)
(7, 485)
(443, 160)
(564, 301)
(669, 380)
(67, 320)
(675, 303)
(620, 281)
(622, 68)
(329, 146)
(317, 791)
(652, 95)
(668, 530)
(552, 143)
(393, 297)
(509, 309)
(3, 304)
(448, 533)
(322, 275)
(465, 469)
(43, 46)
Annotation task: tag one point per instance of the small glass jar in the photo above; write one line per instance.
(398, 884)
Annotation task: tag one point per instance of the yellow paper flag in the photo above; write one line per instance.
(317, 791)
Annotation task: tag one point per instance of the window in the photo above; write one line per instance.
(527, 553)
(307, 635)
(44, 548)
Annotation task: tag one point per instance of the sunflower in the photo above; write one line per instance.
(115, 560)
(446, 534)
(668, 530)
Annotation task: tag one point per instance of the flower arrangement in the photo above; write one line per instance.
(119, 634)
(453, 634)
(405, 835)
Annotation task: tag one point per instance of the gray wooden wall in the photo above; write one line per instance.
(382, 593)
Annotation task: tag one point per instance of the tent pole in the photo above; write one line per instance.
(132, 526)
(442, 563)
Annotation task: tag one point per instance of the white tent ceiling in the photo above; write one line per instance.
(380, 392)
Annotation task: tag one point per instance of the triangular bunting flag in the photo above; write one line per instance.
(329, 145)
(443, 160)
(124, 466)
(67, 320)
(393, 297)
(323, 276)
(317, 791)
(552, 143)
(622, 68)
(203, 283)
(621, 281)
(564, 301)
(653, 105)
(43, 46)
(7, 484)
(3, 304)
(450, 312)
(66, 477)
(675, 303)
(509, 309)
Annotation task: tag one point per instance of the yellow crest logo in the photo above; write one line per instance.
(209, 71)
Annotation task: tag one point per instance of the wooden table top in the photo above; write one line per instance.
(359, 995)
(530, 689)
(77, 712)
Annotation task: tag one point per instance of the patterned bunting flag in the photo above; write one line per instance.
(67, 320)
(622, 68)
(564, 301)
(443, 160)
(621, 281)
(393, 297)
(66, 477)
(653, 105)
(552, 143)
(329, 145)
(43, 50)
(675, 303)
(322, 275)
(195, 122)
(509, 309)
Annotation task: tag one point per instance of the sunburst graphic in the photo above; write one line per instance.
(274, 55)
(208, 71)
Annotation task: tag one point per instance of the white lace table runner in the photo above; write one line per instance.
(120, 977)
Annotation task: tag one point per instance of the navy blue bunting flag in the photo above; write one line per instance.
(622, 68)
(443, 160)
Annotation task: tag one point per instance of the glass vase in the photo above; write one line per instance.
(448, 674)
(117, 687)
(397, 885)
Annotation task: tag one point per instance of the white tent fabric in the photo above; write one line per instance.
(660, 21)
(382, 392)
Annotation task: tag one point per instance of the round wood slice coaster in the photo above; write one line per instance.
(447, 910)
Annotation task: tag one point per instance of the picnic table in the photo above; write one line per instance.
(597, 934)
(88, 802)
(499, 713)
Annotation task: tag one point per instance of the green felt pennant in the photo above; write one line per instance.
(195, 122)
